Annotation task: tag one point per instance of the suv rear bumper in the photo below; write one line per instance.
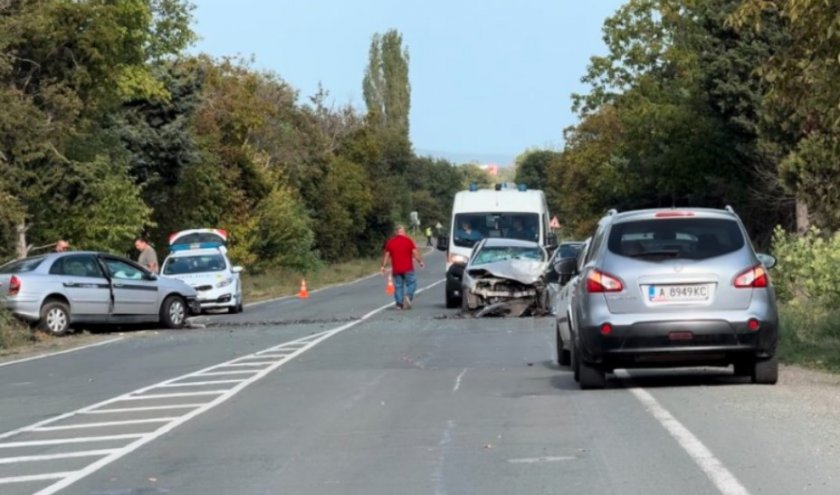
(681, 342)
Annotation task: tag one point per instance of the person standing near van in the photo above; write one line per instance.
(402, 252)
(148, 257)
(429, 236)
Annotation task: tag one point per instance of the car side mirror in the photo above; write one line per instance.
(551, 240)
(443, 243)
(767, 260)
(552, 277)
(236, 269)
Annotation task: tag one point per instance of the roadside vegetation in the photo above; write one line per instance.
(280, 282)
(14, 333)
(709, 103)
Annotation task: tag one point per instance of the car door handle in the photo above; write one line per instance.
(118, 285)
(70, 284)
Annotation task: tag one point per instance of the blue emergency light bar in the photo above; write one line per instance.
(522, 187)
(473, 187)
(196, 245)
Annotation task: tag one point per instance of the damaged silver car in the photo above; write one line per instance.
(504, 277)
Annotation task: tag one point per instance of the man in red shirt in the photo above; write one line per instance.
(402, 252)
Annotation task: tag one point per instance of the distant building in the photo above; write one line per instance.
(491, 168)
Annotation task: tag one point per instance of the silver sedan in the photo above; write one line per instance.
(56, 290)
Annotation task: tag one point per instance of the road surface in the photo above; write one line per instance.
(339, 394)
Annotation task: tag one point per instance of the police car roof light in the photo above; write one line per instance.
(473, 187)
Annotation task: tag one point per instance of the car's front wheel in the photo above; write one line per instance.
(55, 318)
(564, 356)
(452, 301)
(173, 312)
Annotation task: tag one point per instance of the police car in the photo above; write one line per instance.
(199, 258)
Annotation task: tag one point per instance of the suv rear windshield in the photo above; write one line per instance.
(683, 238)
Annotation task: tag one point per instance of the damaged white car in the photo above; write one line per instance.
(504, 277)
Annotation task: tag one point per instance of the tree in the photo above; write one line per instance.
(473, 174)
(387, 94)
(532, 167)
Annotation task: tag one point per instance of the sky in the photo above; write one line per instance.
(489, 78)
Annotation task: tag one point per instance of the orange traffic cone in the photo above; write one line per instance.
(389, 289)
(303, 294)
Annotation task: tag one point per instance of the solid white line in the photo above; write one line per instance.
(199, 384)
(169, 396)
(50, 354)
(722, 478)
(222, 373)
(36, 477)
(141, 409)
(104, 424)
(278, 356)
(61, 441)
(92, 468)
(458, 381)
(50, 457)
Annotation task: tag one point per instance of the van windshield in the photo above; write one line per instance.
(472, 227)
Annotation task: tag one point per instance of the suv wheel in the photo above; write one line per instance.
(592, 376)
(575, 360)
(564, 356)
(766, 371)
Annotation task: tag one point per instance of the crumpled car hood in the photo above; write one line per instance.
(526, 272)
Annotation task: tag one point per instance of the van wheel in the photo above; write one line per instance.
(452, 301)
(592, 376)
(173, 312)
(766, 371)
(55, 318)
(564, 356)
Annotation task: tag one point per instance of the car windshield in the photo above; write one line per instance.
(22, 266)
(194, 264)
(684, 238)
(569, 250)
(504, 253)
(472, 227)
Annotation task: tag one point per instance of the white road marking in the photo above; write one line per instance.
(104, 424)
(36, 477)
(141, 409)
(723, 479)
(66, 351)
(62, 441)
(169, 396)
(458, 381)
(233, 364)
(232, 372)
(443, 444)
(539, 460)
(51, 457)
(65, 479)
(199, 384)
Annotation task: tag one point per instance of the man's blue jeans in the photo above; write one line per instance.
(404, 284)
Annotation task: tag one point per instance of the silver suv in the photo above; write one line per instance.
(665, 288)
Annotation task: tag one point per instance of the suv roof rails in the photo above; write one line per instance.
(612, 212)
(729, 209)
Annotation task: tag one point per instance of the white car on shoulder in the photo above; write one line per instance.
(204, 265)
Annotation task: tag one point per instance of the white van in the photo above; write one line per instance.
(510, 212)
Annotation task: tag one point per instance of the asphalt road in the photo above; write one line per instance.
(339, 394)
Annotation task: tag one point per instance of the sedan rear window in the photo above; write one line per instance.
(682, 238)
(22, 266)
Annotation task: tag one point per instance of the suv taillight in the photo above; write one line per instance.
(755, 277)
(598, 281)
(14, 286)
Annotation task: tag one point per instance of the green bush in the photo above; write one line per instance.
(13, 333)
(806, 272)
